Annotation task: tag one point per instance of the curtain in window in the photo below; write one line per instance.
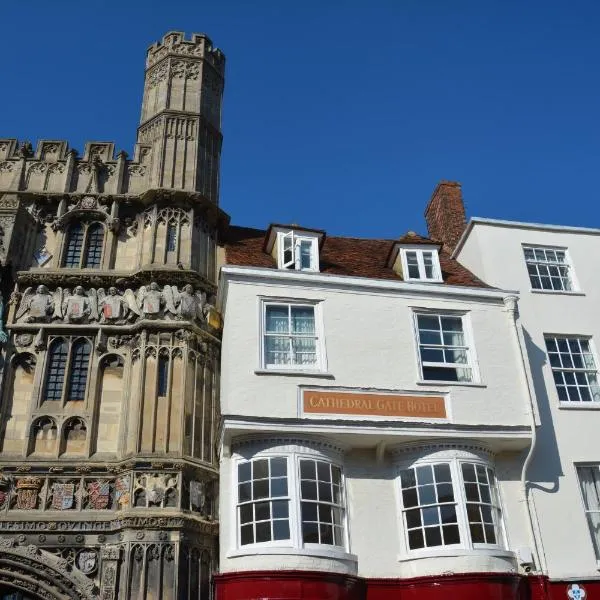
(74, 246)
(93, 253)
(55, 375)
(590, 489)
(80, 360)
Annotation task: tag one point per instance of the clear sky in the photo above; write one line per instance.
(340, 115)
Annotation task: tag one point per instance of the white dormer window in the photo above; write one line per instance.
(298, 251)
(420, 264)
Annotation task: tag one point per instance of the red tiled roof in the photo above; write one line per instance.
(356, 257)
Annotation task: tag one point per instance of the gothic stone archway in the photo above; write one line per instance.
(33, 571)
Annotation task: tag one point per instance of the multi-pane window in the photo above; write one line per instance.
(74, 246)
(548, 268)
(55, 374)
(78, 372)
(67, 370)
(443, 348)
(290, 339)
(83, 247)
(263, 501)
(171, 237)
(589, 480)
(450, 503)
(321, 504)
(298, 252)
(421, 265)
(482, 504)
(429, 506)
(291, 500)
(573, 368)
(95, 241)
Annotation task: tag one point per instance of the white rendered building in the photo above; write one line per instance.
(376, 419)
(555, 270)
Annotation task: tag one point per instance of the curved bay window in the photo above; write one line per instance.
(67, 370)
(450, 501)
(290, 499)
(83, 246)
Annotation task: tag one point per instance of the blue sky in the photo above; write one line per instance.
(340, 115)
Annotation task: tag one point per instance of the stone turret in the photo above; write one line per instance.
(181, 114)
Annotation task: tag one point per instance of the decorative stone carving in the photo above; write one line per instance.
(87, 561)
(113, 307)
(63, 495)
(28, 489)
(77, 306)
(39, 306)
(98, 494)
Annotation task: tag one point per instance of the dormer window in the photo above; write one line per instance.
(298, 252)
(416, 262)
(421, 264)
(293, 247)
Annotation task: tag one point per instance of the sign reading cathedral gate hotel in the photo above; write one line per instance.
(371, 404)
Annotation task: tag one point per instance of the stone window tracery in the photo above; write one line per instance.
(83, 246)
(67, 370)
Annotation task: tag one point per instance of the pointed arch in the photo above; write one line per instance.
(78, 372)
(55, 373)
(73, 246)
(94, 246)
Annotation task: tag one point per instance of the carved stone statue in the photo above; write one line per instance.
(39, 306)
(151, 300)
(190, 304)
(113, 307)
(77, 306)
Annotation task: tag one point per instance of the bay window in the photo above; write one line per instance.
(450, 503)
(290, 500)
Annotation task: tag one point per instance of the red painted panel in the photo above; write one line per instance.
(308, 585)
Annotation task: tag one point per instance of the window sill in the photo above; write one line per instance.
(558, 292)
(294, 373)
(473, 384)
(450, 552)
(282, 550)
(579, 405)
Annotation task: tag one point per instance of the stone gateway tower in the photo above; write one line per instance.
(110, 348)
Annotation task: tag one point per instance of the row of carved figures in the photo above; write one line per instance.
(79, 306)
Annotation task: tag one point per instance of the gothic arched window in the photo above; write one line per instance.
(73, 247)
(171, 237)
(95, 241)
(55, 375)
(80, 360)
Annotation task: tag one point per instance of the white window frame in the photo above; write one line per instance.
(472, 362)
(587, 511)
(579, 338)
(320, 364)
(568, 263)
(460, 503)
(420, 250)
(295, 241)
(295, 542)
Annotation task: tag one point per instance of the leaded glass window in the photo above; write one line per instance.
(78, 373)
(95, 242)
(55, 373)
(74, 246)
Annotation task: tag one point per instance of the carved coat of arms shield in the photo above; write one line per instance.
(87, 561)
(122, 490)
(62, 496)
(99, 494)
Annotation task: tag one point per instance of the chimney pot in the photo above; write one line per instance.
(445, 214)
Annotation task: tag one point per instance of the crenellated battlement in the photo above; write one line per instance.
(174, 44)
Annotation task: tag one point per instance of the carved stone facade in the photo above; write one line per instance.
(110, 348)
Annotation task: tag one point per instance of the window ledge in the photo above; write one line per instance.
(558, 292)
(294, 373)
(290, 550)
(450, 552)
(473, 384)
(579, 405)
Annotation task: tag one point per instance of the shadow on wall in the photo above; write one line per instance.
(546, 467)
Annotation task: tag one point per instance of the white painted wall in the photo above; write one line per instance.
(370, 343)
(568, 435)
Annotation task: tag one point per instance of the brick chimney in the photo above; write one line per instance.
(445, 214)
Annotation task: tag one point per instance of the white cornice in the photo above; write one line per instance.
(354, 284)
(519, 225)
